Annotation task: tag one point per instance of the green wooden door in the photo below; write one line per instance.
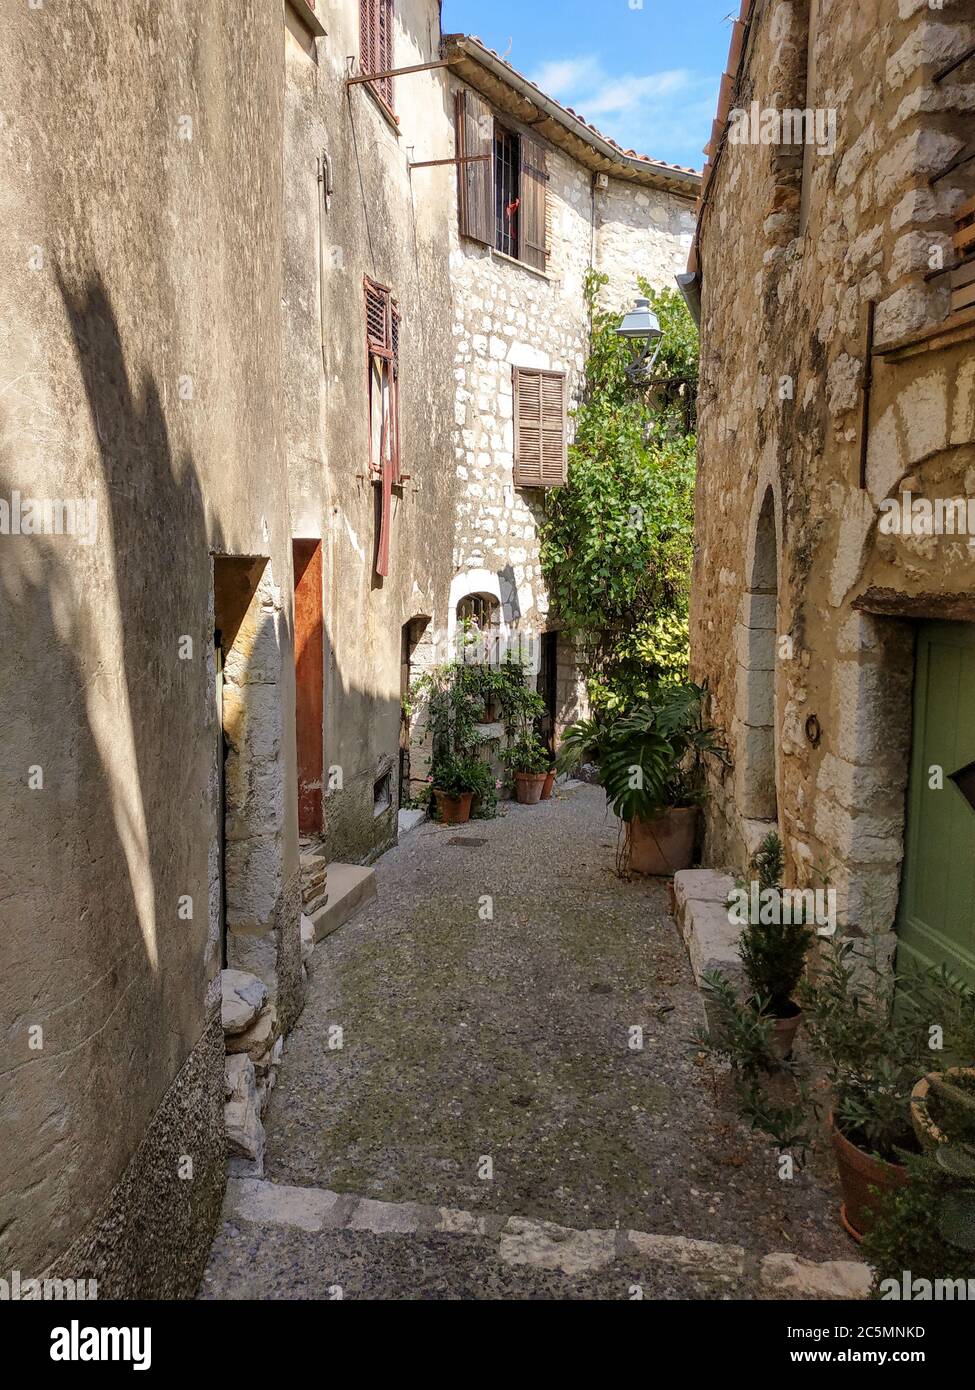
(936, 919)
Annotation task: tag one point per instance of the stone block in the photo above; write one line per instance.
(350, 886)
(243, 998)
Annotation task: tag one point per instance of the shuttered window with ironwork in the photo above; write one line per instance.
(502, 183)
(541, 445)
(376, 45)
(382, 341)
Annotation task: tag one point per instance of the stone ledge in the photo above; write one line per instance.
(701, 911)
(349, 887)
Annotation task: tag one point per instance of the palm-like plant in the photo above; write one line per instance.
(653, 756)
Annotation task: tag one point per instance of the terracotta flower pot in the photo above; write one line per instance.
(858, 1174)
(454, 810)
(548, 785)
(929, 1136)
(665, 844)
(784, 1033)
(529, 786)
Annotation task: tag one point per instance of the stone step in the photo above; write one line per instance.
(349, 887)
(314, 903)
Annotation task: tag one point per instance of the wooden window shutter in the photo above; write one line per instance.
(385, 50)
(474, 125)
(368, 26)
(540, 428)
(534, 189)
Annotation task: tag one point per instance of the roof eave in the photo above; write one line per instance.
(468, 55)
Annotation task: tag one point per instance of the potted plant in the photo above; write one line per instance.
(773, 946)
(652, 765)
(928, 1227)
(529, 762)
(549, 785)
(943, 1103)
(455, 781)
(872, 1053)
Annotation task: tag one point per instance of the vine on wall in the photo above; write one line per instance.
(616, 540)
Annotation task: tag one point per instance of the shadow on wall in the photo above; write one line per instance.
(96, 699)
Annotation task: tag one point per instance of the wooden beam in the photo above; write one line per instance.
(397, 72)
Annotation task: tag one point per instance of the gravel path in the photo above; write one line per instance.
(486, 1001)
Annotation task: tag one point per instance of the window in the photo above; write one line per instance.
(502, 183)
(540, 428)
(382, 343)
(382, 354)
(382, 794)
(479, 629)
(506, 200)
(376, 45)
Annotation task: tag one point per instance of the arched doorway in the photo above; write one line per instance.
(757, 647)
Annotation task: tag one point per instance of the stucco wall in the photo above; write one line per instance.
(140, 337)
(783, 349)
(389, 225)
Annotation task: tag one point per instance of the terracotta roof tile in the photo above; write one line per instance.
(632, 154)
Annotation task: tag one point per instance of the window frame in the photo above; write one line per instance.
(386, 350)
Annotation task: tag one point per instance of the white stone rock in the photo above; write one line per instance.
(244, 996)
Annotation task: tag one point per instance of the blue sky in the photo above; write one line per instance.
(645, 73)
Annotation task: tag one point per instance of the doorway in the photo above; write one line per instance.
(309, 682)
(936, 916)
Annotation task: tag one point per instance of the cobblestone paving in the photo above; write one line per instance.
(486, 1000)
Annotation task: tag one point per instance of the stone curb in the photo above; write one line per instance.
(539, 1244)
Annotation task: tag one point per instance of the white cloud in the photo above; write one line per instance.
(567, 75)
(665, 114)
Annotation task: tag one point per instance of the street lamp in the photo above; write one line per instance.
(642, 323)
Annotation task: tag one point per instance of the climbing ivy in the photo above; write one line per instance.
(616, 539)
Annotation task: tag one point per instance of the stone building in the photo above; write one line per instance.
(548, 200)
(833, 265)
(251, 472)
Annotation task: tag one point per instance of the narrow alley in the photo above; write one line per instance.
(486, 999)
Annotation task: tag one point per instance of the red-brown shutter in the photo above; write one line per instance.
(474, 125)
(385, 50)
(368, 24)
(395, 320)
(377, 318)
(540, 428)
(533, 192)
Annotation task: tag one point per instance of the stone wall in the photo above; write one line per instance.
(140, 279)
(507, 315)
(787, 538)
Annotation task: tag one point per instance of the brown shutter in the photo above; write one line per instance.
(367, 35)
(534, 187)
(385, 46)
(475, 180)
(540, 428)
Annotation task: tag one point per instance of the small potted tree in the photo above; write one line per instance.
(529, 762)
(455, 782)
(872, 1053)
(773, 951)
